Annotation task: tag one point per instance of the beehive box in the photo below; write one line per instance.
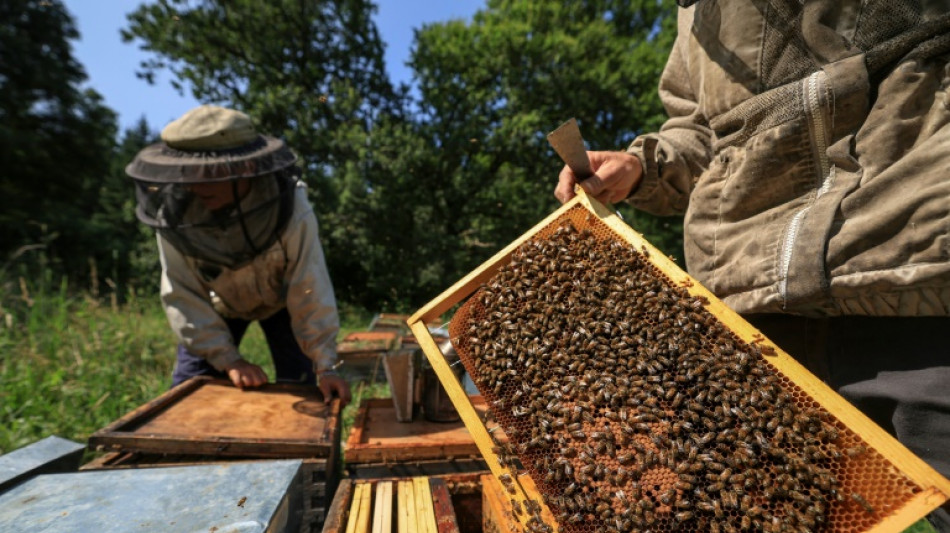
(635, 399)
(318, 478)
(409, 505)
(379, 446)
(206, 421)
(251, 496)
(362, 353)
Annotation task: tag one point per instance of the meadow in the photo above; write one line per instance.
(72, 362)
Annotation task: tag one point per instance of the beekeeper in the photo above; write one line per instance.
(238, 242)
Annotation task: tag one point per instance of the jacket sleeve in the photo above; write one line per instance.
(675, 157)
(310, 298)
(190, 313)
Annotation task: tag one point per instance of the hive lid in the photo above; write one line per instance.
(246, 497)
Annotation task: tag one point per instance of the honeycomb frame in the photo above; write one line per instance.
(930, 489)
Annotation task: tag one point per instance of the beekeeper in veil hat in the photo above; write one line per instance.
(238, 242)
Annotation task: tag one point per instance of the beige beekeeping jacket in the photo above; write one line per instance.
(808, 145)
(292, 273)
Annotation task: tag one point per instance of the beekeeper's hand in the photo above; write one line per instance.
(616, 174)
(244, 374)
(331, 385)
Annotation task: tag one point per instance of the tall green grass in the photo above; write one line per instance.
(72, 363)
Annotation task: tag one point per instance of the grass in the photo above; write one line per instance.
(71, 364)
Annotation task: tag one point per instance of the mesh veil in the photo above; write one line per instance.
(228, 237)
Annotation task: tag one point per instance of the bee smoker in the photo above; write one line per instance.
(436, 405)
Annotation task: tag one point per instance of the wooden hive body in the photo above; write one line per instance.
(206, 421)
(837, 471)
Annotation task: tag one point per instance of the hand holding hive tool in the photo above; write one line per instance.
(617, 173)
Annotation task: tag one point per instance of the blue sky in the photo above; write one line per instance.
(111, 64)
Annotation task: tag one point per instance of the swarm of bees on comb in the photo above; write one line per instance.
(634, 408)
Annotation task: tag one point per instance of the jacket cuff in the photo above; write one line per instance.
(644, 149)
(222, 360)
(325, 366)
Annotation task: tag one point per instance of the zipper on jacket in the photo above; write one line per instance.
(816, 122)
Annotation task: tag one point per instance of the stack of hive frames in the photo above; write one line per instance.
(861, 478)
(410, 505)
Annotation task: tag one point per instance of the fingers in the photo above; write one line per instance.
(255, 378)
(565, 185)
(335, 386)
(344, 393)
(236, 378)
(616, 174)
(247, 375)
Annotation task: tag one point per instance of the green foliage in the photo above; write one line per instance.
(71, 364)
(128, 257)
(65, 202)
(55, 137)
(303, 70)
(412, 193)
(429, 199)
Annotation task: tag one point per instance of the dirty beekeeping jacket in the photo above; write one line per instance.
(291, 273)
(808, 146)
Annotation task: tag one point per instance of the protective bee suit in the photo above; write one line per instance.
(238, 242)
(808, 147)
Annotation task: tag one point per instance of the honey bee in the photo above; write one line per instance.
(862, 502)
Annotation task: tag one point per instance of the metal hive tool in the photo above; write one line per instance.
(634, 399)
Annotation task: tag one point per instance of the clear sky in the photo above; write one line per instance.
(111, 64)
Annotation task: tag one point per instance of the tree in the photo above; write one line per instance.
(476, 171)
(492, 89)
(128, 258)
(56, 138)
(303, 70)
(412, 193)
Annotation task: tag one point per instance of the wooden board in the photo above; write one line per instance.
(442, 507)
(377, 436)
(211, 417)
(931, 489)
(445, 467)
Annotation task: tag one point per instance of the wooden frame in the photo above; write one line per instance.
(313, 427)
(934, 488)
(497, 514)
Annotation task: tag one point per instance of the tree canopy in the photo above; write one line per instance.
(56, 137)
(413, 186)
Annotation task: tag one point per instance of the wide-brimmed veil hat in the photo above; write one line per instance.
(210, 143)
(215, 144)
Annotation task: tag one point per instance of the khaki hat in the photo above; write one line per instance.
(210, 143)
(209, 128)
